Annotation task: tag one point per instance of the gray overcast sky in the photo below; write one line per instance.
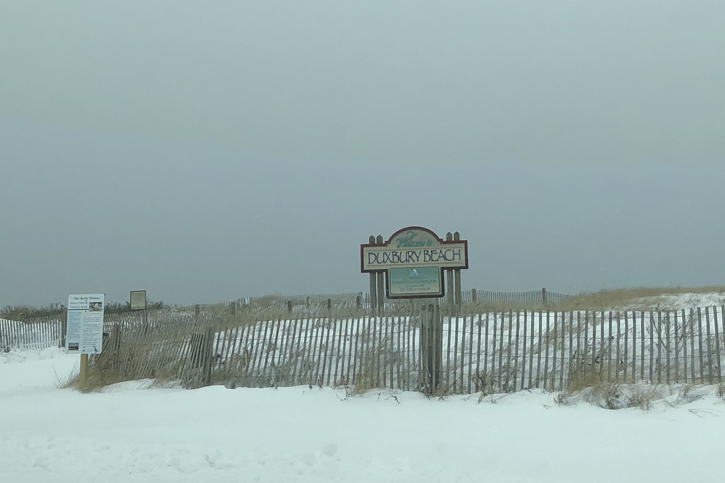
(211, 150)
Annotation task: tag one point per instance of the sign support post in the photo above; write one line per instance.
(449, 278)
(83, 377)
(373, 282)
(381, 283)
(457, 275)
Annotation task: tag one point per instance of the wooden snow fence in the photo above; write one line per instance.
(424, 350)
(39, 333)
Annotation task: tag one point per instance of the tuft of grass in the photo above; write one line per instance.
(721, 390)
(486, 384)
(686, 394)
(366, 379)
(583, 378)
(642, 397)
(69, 381)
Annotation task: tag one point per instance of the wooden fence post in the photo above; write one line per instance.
(473, 296)
(457, 275)
(358, 301)
(381, 282)
(83, 377)
(543, 297)
(63, 328)
(373, 282)
(116, 349)
(289, 306)
(431, 348)
(208, 355)
(438, 346)
(451, 289)
(426, 371)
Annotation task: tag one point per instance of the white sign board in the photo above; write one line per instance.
(414, 247)
(138, 300)
(84, 330)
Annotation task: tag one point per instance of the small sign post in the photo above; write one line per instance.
(84, 328)
(412, 262)
(138, 300)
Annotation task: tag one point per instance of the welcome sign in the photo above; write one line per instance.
(414, 246)
(414, 259)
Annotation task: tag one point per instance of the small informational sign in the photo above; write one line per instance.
(84, 333)
(418, 281)
(138, 300)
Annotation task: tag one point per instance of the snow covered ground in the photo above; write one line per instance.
(133, 433)
(677, 301)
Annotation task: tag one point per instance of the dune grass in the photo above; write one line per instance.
(639, 298)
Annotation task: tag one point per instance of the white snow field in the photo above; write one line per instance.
(135, 433)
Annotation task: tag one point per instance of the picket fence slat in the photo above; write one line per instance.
(538, 347)
(485, 348)
(499, 369)
(470, 355)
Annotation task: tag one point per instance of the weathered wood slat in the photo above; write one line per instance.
(708, 345)
(516, 351)
(547, 343)
(280, 359)
(335, 353)
(391, 352)
(486, 351)
(523, 353)
(602, 344)
(380, 353)
(448, 350)
(320, 333)
(355, 363)
(570, 365)
(699, 344)
(717, 344)
(684, 345)
(608, 345)
(411, 336)
(455, 355)
(479, 323)
(470, 355)
(677, 345)
(538, 347)
(651, 346)
(667, 347)
(293, 347)
(258, 343)
(463, 354)
(581, 351)
(501, 378)
(626, 346)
